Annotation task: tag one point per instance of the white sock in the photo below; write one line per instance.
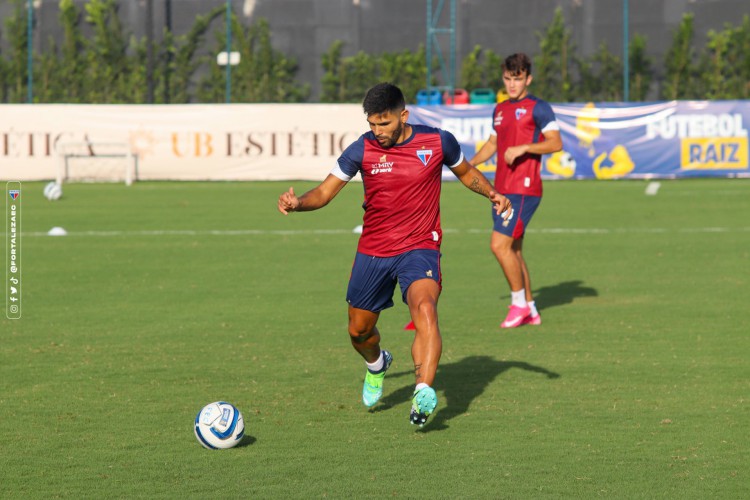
(532, 306)
(420, 386)
(518, 298)
(376, 365)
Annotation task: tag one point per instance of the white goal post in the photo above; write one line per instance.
(90, 161)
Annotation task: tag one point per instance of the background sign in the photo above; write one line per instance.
(303, 141)
(615, 141)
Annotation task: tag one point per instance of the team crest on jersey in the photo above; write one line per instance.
(424, 155)
(520, 112)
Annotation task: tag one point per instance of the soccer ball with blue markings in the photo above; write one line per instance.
(53, 191)
(219, 425)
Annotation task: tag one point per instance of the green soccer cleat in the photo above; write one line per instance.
(422, 405)
(373, 386)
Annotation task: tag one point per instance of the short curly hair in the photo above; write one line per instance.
(516, 64)
(383, 97)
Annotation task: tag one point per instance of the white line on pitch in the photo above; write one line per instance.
(304, 232)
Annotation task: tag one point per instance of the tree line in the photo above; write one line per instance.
(108, 64)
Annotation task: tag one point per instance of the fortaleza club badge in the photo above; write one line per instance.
(520, 112)
(424, 156)
(14, 194)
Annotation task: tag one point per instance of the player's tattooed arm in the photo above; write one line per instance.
(474, 180)
(478, 187)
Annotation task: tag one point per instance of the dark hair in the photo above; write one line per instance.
(515, 64)
(383, 97)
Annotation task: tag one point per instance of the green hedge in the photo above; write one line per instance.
(110, 65)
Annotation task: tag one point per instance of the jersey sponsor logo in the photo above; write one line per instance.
(384, 166)
(498, 119)
(520, 112)
(424, 156)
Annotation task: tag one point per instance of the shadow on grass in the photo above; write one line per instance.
(246, 440)
(562, 293)
(461, 382)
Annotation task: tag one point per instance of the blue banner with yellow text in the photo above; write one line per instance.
(674, 139)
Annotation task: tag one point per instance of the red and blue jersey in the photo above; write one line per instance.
(521, 122)
(402, 189)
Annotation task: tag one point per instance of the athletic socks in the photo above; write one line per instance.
(532, 306)
(518, 298)
(377, 365)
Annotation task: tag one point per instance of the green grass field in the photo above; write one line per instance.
(166, 296)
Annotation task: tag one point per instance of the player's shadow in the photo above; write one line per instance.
(562, 293)
(460, 382)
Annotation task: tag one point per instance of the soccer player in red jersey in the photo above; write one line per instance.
(401, 167)
(524, 128)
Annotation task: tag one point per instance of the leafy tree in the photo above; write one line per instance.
(406, 69)
(347, 79)
(263, 75)
(46, 87)
(106, 55)
(70, 77)
(552, 75)
(482, 68)
(358, 74)
(609, 75)
(136, 78)
(713, 68)
(109, 65)
(493, 72)
(728, 53)
(740, 59)
(641, 71)
(3, 76)
(471, 69)
(16, 66)
(679, 62)
(179, 62)
(331, 87)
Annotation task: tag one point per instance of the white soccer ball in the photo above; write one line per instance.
(219, 425)
(567, 161)
(53, 191)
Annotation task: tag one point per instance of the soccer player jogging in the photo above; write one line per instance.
(524, 128)
(401, 167)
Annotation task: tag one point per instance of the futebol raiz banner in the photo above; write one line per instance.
(623, 140)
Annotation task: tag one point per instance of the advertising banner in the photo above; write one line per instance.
(179, 142)
(619, 141)
(302, 141)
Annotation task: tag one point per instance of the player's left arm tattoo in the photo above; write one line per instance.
(478, 187)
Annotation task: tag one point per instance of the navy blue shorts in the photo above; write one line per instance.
(373, 279)
(523, 210)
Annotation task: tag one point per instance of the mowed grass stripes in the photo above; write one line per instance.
(167, 296)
